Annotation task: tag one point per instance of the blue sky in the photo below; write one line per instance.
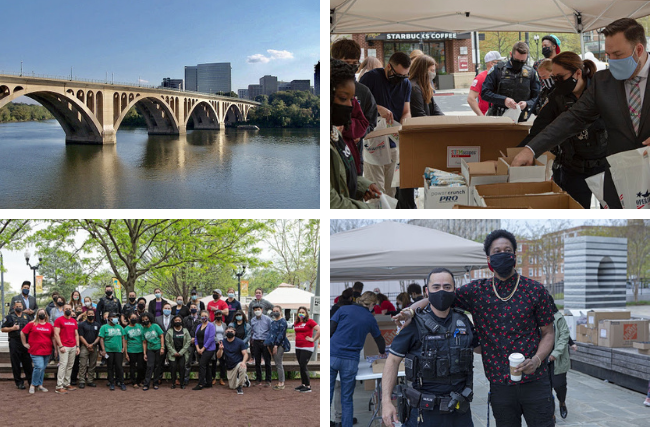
(150, 40)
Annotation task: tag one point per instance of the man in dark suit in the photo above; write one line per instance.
(165, 321)
(29, 302)
(616, 95)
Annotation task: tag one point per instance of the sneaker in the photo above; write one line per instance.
(43, 389)
(278, 387)
(20, 386)
(647, 402)
(31, 389)
(198, 387)
(61, 391)
(299, 388)
(71, 388)
(111, 387)
(123, 387)
(239, 390)
(267, 384)
(247, 382)
(306, 390)
(91, 385)
(82, 385)
(258, 383)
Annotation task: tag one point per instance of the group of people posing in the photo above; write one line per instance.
(583, 116)
(152, 337)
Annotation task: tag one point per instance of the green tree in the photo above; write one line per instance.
(13, 232)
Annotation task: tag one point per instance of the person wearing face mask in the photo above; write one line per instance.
(141, 308)
(307, 333)
(165, 320)
(29, 302)
(391, 88)
(129, 308)
(190, 323)
(134, 350)
(88, 304)
(512, 314)
(205, 348)
(52, 304)
(545, 73)
(260, 302)
(194, 299)
(217, 304)
(111, 342)
(180, 309)
(550, 49)
(66, 333)
(13, 324)
(476, 103)
(348, 190)
(511, 83)
(277, 343)
(233, 305)
(57, 311)
(349, 328)
(233, 351)
(153, 351)
(177, 341)
(156, 305)
(584, 154)
(364, 118)
(42, 344)
(75, 301)
(108, 304)
(615, 95)
(219, 331)
(261, 326)
(242, 327)
(449, 335)
(88, 340)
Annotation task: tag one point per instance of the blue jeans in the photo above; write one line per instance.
(347, 370)
(40, 362)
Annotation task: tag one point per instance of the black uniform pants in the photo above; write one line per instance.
(222, 368)
(558, 382)
(303, 357)
(154, 367)
(259, 351)
(178, 366)
(19, 355)
(114, 367)
(574, 183)
(205, 372)
(533, 400)
(406, 198)
(137, 367)
(438, 419)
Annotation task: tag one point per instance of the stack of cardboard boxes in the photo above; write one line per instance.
(612, 328)
(388, 332)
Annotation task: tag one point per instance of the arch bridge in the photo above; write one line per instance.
(91, 113)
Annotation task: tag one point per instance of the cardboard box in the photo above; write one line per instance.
(622, 333)
(445, 197)
(439, 141)
(388, 331)
(590, 337)
(594, 317)
(581, 330)
(642, 347)
(485, 207)
(481, 192)
(542, 201)
(534, 173)
(480, 173)
(571, 323)
(378, 366)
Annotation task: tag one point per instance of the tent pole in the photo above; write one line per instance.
(582, 44)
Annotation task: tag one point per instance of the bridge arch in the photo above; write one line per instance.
(77, 120)
(204, 115)
(159, 117)
(233, 113)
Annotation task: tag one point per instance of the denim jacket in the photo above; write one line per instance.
(277, 334)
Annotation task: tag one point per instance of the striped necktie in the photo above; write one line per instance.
(635, 103)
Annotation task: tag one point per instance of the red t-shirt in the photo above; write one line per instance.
(221, 305)
(39, 338)
(68, 326)
(304, 330)
(476, 86)
(386, 305)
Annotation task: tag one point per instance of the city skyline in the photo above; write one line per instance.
(146, 41)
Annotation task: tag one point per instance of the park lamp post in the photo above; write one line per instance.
(239, 275)
(536, 38)
(33, 267)
(2, 282)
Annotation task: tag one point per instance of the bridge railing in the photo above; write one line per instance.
(113, 83)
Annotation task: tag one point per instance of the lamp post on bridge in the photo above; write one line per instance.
(21, 68)
(239, 275)
(33, 267)
(2, 282)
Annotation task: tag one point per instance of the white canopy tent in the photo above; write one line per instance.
(392, 251)
(289, 297)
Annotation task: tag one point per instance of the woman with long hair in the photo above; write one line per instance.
(370, 63)
(242, 327)
(41, 345)
(582, 155)
(75, 301)
(307, 332)
(276, 342)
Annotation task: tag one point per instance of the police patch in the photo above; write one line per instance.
(525, 72)
(460, 323)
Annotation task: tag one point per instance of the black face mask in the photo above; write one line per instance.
(109, 293)
(393, 78)
(230, 334)
(567, 86)
(18, 310)
(67, 312)
(145, 322)
(275, 314)
(60, 303)
(141, 306)
(193, 311)
(132, 300)
(133, 321)
(177, 324)
(341, 115)
(215, 296)
(517, 65)
(442, 300)
(547, 51)
(502, 263)
(91, 318)
(41, 316)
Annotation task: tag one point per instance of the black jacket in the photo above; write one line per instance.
(152, 306)
(421, 108)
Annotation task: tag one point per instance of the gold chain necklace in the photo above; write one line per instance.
(509, 296)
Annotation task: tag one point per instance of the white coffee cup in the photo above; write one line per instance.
(515, 360)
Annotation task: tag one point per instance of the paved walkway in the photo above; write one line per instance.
(591, 403)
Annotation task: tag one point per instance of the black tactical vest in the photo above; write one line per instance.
(515, 86)
(111, 305)
(443, 355)
(21, 320)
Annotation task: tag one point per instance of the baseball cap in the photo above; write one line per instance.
(493, 56)
(217, 291)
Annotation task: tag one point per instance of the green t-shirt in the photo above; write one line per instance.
(112, 337)
(133, 338)
(152, 336)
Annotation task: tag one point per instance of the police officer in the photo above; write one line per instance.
(128, 308)
(511, 83)
(13, 324)
(437, 349)
(108, 304)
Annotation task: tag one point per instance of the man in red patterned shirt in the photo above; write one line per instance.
(511, 314)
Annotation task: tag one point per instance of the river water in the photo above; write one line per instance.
(269, 168)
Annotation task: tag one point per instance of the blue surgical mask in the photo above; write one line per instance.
(231, 295)
(238, 317)
(167, 312)
(193, 297)
(622, 69)
(158, 295)
(115, 320)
